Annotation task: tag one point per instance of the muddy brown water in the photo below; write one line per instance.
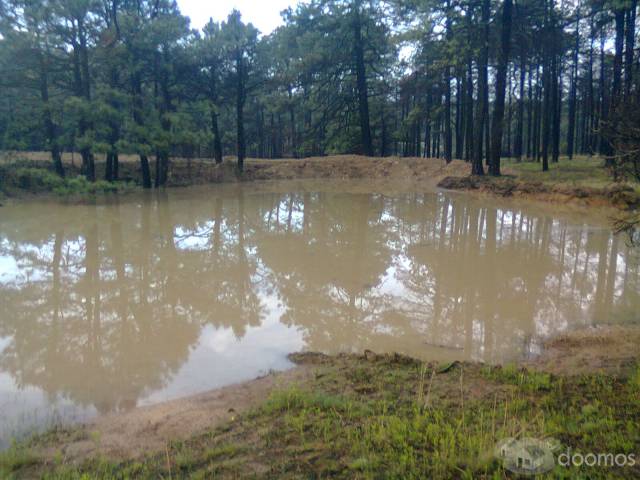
(156, 296)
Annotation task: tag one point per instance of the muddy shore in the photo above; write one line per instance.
(610, 351)
(622, 197)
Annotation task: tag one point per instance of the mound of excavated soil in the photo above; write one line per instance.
(423, 170)
(611, 350)
(184, 172)
(615, 195)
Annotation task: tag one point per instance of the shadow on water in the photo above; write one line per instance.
(105, 307)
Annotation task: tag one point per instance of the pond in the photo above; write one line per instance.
(150, 297)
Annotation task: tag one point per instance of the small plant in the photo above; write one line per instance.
(527, 379)
(15, 458)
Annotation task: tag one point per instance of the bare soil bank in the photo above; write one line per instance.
(185, 172)
(619, 196)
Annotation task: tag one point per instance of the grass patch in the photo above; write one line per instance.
(582, 170)
(522, 378)
(16, 459)
(384, 418)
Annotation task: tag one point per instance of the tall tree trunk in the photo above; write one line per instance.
(630, 43)
(571, 121)
(240, 98)
(557, 109)
(448, 144)
(468, 131)
(520, 123)
(501, 77)
(530, 112)
(460, 94)
(616, 86)
(591, 105)
(136, 85)
(361, 80)
(604, 104)
(537, 119)
(483, 101)
(162, 159)
(50, 127)
(213, 107)
(88, 161)
(217, 144)
(547, 79)
(617, 60)
(292, 120)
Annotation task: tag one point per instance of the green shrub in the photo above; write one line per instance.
(41, 180)
(37, 180)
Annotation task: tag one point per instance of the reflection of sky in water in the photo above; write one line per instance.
(24, 409)
(220, 358)
(197, 239)
(9, 270)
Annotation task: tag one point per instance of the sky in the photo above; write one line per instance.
(264, 14)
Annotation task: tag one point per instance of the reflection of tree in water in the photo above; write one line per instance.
(325, 264)
(435, 275)
(92, 328)
(218, 275)
(106, 309)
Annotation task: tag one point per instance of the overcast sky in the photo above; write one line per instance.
(264, 14)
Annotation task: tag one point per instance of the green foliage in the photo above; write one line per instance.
(16, 458)
(527, 380)
(39, 180)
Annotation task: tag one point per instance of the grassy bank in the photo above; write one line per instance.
(378, 416)
(582, 180)
(581, 171)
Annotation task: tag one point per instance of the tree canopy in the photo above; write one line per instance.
(468, 79)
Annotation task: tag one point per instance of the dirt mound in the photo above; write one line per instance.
(185, 172)
(611, 350)
(618, 195)
(333, 167)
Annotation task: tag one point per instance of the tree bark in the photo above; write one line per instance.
(88, 162)
(213, 107)
(240, 99)
(630, 43)
(483, 107)
(361, 80)
(468, 131)
(501, 77)
(50, 127)
(518, 150)
(136, 85)
(573, 91)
